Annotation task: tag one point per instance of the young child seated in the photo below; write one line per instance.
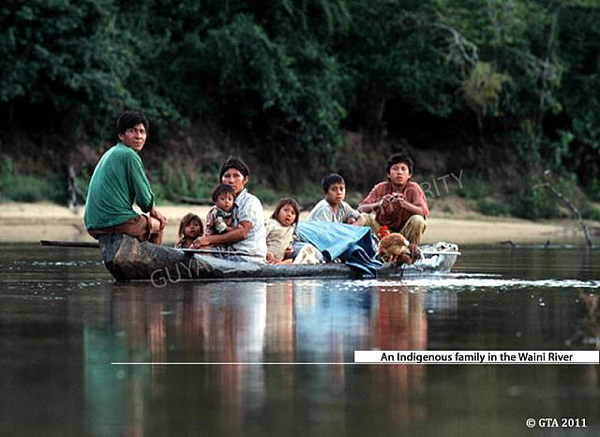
(280, 231)
(333, 208)
(219, 218)
(190, 228)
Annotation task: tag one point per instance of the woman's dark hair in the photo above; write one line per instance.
(331, 179)
(397, 158)
(286, 201)
(236, 163)
(129, 119)
(186, 220)
(222, 189)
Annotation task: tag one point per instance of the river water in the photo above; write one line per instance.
(64, 323)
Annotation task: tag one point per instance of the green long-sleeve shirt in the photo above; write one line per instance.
(118, 181)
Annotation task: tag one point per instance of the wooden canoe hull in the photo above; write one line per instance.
(128, 259)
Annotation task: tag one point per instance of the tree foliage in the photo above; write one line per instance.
(63, 56)
(288, 75)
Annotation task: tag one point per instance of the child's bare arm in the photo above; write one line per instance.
(289, 251)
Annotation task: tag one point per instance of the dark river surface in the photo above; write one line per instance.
(63, 321)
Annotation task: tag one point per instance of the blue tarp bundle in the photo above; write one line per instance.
(352, 244)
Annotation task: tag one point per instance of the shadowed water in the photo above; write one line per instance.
(63, 322)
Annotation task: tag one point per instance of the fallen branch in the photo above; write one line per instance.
(569, 204)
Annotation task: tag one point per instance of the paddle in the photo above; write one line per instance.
(90, 244)
(69, 243)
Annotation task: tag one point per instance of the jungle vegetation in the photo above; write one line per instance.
(502, 89)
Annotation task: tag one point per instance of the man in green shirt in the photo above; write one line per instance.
(118, 181)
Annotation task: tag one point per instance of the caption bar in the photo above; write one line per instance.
(477, 357)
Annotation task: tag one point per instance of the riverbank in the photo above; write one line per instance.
(31, 222)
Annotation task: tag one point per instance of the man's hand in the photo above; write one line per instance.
(289, 251)
(386, 203)
(158, 216)
(398, 199)
(402, 203)
(201, 242)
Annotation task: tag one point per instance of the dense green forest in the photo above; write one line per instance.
(499, 89)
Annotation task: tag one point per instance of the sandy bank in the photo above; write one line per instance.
(24, 222)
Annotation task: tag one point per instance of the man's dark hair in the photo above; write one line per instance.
(331, 179)
(397, 158)
(236, 163)
(129, 119)
(222, 189)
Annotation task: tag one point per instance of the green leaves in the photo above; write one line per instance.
(287, 92)
(483, 87)
(287, 75)
(55, 44)
(63, 56)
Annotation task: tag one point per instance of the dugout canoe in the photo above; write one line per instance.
(128, 259)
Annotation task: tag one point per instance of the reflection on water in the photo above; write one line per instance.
(63, 322)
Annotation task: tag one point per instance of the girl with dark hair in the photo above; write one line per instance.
(280, 230)
(190, 228)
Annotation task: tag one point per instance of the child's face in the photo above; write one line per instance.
(225, 201)
(336, 193)
(286, 215)
(399, 174)
(192, 229)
